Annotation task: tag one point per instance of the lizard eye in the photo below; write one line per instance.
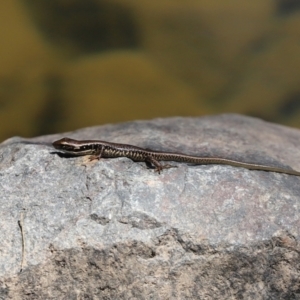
(67, 147)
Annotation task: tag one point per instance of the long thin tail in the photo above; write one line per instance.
(222, 161)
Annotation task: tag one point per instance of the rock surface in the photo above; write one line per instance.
(116, 230)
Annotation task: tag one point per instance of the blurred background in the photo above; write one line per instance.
(67, 64)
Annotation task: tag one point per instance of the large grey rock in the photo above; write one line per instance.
(114, 229)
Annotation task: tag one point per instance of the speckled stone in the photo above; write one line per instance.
(114, 229)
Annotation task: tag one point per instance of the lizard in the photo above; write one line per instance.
(97, 149)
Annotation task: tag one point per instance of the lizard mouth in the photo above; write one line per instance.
(72, 147)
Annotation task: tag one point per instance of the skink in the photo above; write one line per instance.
(98, 149)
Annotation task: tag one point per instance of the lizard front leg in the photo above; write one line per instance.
(97, 155)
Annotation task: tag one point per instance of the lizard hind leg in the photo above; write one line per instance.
(158, 166)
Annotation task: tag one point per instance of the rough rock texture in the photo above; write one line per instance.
(116, 230)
